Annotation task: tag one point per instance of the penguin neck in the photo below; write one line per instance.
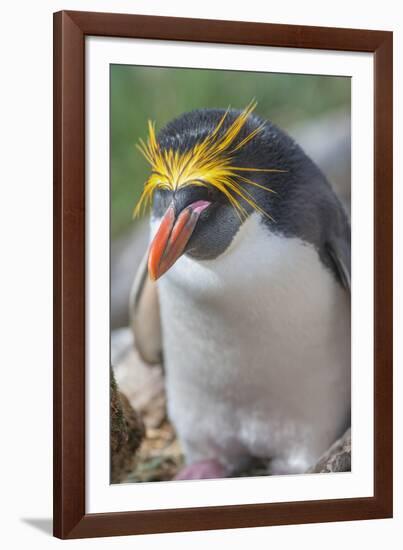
(243, 242)
(253, 251)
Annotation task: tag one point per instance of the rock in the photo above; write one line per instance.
(337, 458)
(142, 384)
(159, 457)
(126, 434)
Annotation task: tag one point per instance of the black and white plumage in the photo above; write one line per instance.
(251, 314)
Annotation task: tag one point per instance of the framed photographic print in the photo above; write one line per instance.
(223, 274)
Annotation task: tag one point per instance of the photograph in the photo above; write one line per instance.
(222, 268)
(230, 270)
(198, 222)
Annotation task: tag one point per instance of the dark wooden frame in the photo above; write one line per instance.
(70, 517)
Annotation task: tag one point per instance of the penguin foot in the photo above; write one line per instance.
(204, 469)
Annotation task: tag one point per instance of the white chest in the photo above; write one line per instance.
(257, 351)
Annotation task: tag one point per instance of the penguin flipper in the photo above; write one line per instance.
(144, 314)
(340, 254)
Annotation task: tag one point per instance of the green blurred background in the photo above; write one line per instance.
(160, 94)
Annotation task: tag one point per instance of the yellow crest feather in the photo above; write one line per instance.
(207, 163)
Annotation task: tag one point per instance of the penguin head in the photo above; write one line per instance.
(210, 169)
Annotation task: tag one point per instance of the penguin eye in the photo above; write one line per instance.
(216, 196)
(211, 194)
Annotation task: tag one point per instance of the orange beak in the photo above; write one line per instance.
(172, 237)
